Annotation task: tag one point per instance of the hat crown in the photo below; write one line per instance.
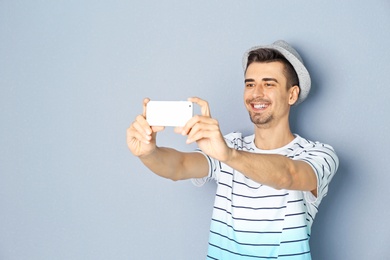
(288, 48)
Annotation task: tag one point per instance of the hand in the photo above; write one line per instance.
(141, 137)
(205, 131)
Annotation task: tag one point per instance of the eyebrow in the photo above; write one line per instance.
(264, 79)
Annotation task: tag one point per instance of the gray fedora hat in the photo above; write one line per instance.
(296, 61)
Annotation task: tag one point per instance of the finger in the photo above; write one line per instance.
(197, 120)
(198, 131)
(145, 102)
(190, 124)
(178, 130)
(199, 135)
(142, 133)
(157, 128)
(134, 135)
(143, 125)
(204, 106)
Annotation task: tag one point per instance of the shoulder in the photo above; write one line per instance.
(304, 149)
(303, 144)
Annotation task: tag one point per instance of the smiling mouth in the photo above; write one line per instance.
(259, 107)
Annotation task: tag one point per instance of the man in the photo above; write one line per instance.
(271, 183)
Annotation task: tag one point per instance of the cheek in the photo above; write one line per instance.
(245, 95)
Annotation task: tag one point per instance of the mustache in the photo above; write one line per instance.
(257, 100)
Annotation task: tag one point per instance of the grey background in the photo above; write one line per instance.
(72, 78)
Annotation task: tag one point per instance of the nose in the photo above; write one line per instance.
(258, 91)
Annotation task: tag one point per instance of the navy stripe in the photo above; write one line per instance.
(260, 197)
(294, 241)
(240, 243)
(293, 201)
(229, 173)
(242, 183)
(289, 228)
(295, 214)
(311, 217)
(322, 190)
(223, 197)
(264, 208)
(307, 252)
(328, 154)
(224, 184)
(330, 168)
(314, 206)
(246, 218)
(246, 231)
(252, 208)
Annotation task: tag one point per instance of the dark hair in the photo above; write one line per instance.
(266, 55)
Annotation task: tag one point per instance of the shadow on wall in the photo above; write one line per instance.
(325, 242)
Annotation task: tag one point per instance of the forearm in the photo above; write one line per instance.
(165, 162)
(175, 165)
(273, 170)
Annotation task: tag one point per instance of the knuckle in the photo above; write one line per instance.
(197, 118)
(139, 117)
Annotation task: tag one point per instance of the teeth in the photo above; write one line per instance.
(259, 106)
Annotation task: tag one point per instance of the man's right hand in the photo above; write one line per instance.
(141, 137)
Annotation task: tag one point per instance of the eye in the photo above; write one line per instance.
(269, 85)
(249, 85)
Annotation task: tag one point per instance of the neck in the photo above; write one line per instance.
(269, 138)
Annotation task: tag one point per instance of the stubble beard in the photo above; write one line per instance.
(261, 120)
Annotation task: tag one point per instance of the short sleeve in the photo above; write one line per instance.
(211, 175)
(324, 161)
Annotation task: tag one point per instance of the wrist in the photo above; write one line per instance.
(150, 154)
(230, 156)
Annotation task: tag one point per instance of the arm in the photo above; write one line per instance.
(166, 162)
(274, 170)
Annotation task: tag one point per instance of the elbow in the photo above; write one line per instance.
(175, 176)
(286, 178)
(284, 182)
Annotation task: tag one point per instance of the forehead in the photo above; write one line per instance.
(260, 70)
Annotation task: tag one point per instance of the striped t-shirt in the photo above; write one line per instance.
(255, 221)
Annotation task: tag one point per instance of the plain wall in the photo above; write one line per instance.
(72, 78)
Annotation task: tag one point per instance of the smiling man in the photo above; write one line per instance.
(270, 183)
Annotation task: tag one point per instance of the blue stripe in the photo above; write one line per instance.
(240, 243)
(231, 252)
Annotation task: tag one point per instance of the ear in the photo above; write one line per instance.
(294, 94)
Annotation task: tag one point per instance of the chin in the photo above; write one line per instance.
(260, 120)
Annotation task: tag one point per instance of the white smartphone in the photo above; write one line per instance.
(169, 113)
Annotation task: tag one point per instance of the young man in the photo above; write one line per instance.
(271, 183)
